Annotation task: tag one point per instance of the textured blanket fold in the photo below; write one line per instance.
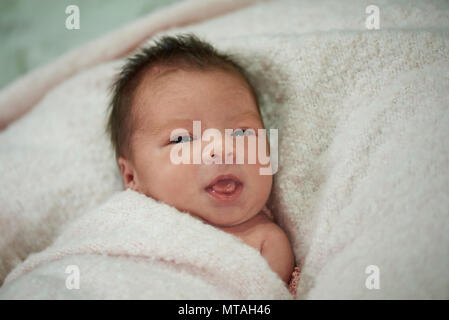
(13, 103)
(152, 251)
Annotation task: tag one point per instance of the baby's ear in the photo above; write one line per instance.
(128, 173)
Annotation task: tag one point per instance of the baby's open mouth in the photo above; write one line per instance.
(225, 188)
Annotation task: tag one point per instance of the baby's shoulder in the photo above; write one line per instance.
(262, 226)
(273, 232)
(269, 234)
(272, 235)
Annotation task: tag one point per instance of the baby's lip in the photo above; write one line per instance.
(224, 177)
(225, 189)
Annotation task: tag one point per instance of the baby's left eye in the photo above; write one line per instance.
(180, 139)
(242, 132)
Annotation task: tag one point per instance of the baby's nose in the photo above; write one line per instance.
(214, 155)
(228, 156)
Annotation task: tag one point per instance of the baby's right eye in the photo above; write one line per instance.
(242, 132)
(180, 139)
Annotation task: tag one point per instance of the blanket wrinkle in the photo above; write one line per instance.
(132, 225)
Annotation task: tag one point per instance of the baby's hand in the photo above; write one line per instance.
(276, 249)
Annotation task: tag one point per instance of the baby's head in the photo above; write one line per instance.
(166, 87)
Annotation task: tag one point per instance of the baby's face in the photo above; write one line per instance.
(173, 99)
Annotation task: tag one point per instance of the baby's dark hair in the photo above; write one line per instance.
(184, 51)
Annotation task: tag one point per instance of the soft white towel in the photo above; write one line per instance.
(134, 247)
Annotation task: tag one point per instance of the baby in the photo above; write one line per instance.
(167, 86)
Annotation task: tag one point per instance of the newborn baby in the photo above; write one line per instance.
(166, 87)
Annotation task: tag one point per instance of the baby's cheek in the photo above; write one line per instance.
(262, 183)
(176, 182)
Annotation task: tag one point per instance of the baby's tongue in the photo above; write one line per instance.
(224, 186)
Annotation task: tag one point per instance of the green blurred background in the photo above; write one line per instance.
(33, 32)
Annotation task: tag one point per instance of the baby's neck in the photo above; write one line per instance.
(247, 225)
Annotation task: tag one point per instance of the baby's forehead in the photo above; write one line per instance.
(160, 74)
(159, 70)
(170, 82)
(167, 92)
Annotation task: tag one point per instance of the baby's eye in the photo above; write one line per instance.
(242, 132)
(181, 139)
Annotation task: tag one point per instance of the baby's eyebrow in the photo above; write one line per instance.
(247, 114)
(171, 124)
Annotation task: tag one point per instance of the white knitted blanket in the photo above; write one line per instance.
(363, 170)
(133, 247)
